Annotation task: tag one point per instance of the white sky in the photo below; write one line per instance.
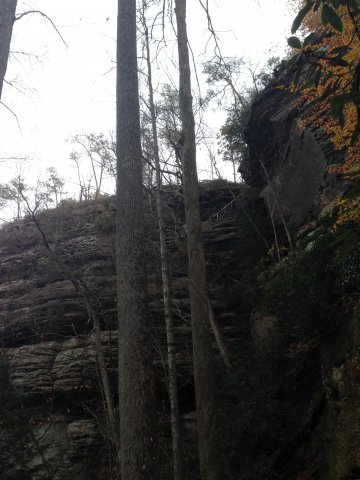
(66, 91)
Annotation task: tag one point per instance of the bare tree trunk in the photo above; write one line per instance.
(234, 171)
(109, 408)
(7, 19)
(207, 422)
(219, 337)
(271, 213)
(165, 272)
(136, 385)
(272, 190)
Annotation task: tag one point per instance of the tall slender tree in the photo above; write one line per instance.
(209, 445)
(7, 19)
(165, 269)
(136, 386)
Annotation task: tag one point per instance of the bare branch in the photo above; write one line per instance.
(21, 15)
(13, 86)
(13, 113)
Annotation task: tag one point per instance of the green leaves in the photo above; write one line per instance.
(314, 64)
(336, 111)
(308, 39)
(356, 132)
(322, 97)
(354, 192)
(348, 97)
(313, 77)
(294, 42)
(301, 15)
(292, 63)
(340, 62)
(350, 242)
(330, 17)
(342, 50)
(337, 104)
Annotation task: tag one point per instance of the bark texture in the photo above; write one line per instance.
(210, 456)
(136, 387)
(7, 18)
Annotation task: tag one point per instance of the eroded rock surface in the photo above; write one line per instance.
(287, 161)
(46, 337)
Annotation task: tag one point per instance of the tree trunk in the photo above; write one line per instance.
(7, 19)
(136, 386)
(219, 337)
(165, 272)
(276, 202)
(207, 423)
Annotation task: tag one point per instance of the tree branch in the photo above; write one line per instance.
(21, 15)
(11, 111)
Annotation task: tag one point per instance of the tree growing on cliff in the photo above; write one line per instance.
(221, 73)
(51, 190)
(18, 187)
(99, 154)
(165, 268)
(207, 421)
(93, 309)
(170, 124)
(136, 387)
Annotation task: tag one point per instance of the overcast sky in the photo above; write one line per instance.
(62, 91)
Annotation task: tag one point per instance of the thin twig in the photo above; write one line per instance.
(21, 15)
(11, 111)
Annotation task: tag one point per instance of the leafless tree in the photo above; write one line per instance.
(165, 270)
(99, 153)
(207, 421)
(84, 292)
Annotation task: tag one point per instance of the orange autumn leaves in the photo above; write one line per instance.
(330, 77)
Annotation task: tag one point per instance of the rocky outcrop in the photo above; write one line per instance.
(288, 162)
(46, 337)
(306, 320)
(288, 402)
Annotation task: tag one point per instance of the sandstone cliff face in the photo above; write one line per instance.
(286, 160)
(289, 401)
(46, 337)
(306, 321)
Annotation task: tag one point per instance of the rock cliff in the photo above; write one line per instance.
(47, 339)
(306, 320)
(290, 403)
(287, 162)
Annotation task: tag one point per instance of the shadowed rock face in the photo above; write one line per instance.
(295, 158)
(297, 182)
(294, 180)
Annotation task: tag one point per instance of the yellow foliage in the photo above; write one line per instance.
(348, 211)
(341, 77)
